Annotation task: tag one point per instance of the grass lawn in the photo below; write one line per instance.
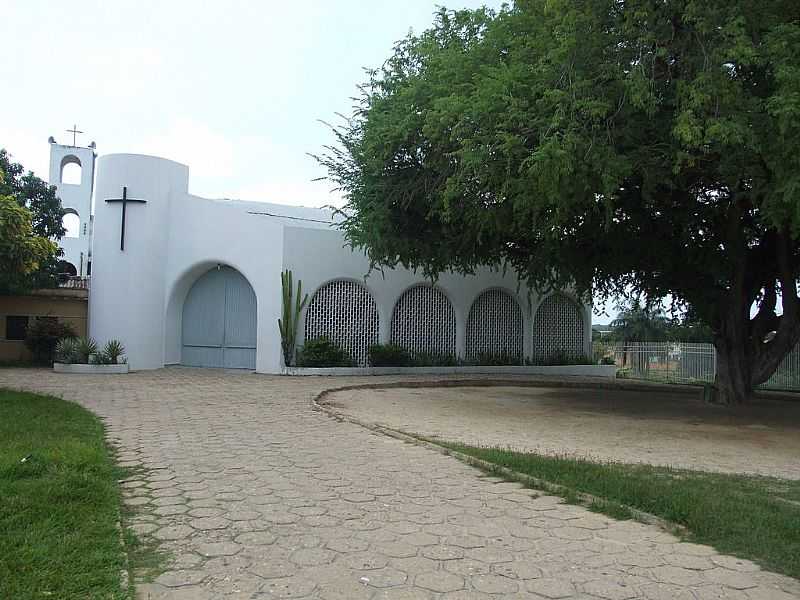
(751, 517)
(59, 508)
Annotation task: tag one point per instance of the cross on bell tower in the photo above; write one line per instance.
(74, 131)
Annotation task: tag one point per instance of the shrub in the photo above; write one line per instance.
(389, 355)
(86, 346)
(102, 358)
(322, 352)
(66, 351)
(562, 358)
(602, 353)
(496, 360)
(43, 335)
(113, 350)
(434, 359)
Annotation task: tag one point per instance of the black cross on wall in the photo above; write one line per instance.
(124, 201)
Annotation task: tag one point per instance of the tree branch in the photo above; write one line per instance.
(769, 356)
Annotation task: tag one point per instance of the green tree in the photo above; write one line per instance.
(22, 252)
(643, 147)
(639, 322)
(44, 214)
(688, 328)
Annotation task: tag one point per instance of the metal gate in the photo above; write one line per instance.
(219, 321)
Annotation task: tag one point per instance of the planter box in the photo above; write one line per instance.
(603, 371)
(91, 369)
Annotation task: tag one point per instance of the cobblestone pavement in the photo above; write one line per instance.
(656, 426)
(255, 495)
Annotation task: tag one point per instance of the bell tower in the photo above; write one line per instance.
(72, 172)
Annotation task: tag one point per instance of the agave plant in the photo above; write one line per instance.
(86, 347)
(66, 350)
(101, 358)
(113, 350)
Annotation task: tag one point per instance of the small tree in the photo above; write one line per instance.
(41, 211)
(291, 311)
(637, 322)
(43, 335)
(22, 252)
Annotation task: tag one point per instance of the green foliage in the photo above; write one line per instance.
(617, 148)
(392, 355)
(72, 350)
(291, 312)
(389, 355)
(43, 335)
(602, 351)
(102, 358)
(435, 359)
(322, 352)
(641, 323)
(497, 360)
(561, 358)
(28, 256)
(113, 350)
(86, 347)
(689, 329)
(67, 351)
(22, 252)
(60, 507)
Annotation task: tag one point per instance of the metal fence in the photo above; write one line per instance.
(681, 362)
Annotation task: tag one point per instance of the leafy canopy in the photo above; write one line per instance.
(649, 147)
(30, 218)
(641, 323)
(21, 251)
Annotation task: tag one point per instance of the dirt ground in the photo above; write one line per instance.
(655, 427)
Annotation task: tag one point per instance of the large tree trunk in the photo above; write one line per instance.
(733, 380)
(749, 350)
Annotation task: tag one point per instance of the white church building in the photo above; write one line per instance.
(181, 279)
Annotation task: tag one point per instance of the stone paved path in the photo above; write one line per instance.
(258, 496)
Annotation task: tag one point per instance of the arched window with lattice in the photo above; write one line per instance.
(345, 312)
(558, 330)
(424, 322)
(494, 328)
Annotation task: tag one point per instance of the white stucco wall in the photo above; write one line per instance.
(205, 233)
(77, 198)
(137, 295)
(128, 288)
(318, 256)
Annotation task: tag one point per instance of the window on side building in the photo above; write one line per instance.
(16, 327)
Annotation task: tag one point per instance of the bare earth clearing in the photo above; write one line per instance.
(654, 427)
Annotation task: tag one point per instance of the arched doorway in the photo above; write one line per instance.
(219, 321)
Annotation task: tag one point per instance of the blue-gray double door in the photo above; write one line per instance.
(219, 321)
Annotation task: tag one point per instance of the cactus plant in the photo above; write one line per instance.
(292, 308)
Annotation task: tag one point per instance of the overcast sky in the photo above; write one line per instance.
(234, 89)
